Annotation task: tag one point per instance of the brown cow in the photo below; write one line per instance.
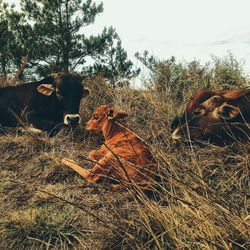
(218, 116)
(124, 158)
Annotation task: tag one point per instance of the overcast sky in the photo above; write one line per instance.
(186, 29)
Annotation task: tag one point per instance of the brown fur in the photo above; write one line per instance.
(215, 115)
(123, 157)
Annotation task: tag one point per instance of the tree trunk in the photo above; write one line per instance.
(3, 65)
(67, 38)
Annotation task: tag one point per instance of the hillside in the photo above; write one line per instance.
(202, 201)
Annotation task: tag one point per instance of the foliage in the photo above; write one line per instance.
(170, 76)
(16, 39)
(51, 35)
(111, 59)
(4, 36)
(56, 26)
(228, 72)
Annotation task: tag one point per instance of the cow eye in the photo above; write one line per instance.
(95, 117)
(198, 112)
(58, 94)
(216, 98)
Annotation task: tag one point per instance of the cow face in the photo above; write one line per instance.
(211, 114)
(101, 116)
(68, 90)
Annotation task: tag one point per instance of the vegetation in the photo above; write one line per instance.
(201, 202)
(202, 198)
(111, 61)
(51, 35)
(172, 76)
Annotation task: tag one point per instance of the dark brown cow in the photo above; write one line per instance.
(217, 116)
(124, 157)
(44, 104)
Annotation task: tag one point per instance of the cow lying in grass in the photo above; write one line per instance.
(123, 159)
(219, 116)
(44, 104)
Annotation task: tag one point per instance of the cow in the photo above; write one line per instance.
(123, 159)
(43, 104)
(219, 116)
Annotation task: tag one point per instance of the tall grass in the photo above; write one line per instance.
(201, 200)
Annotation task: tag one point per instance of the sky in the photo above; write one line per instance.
(186, 29)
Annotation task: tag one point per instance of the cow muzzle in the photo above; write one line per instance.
(72, 119)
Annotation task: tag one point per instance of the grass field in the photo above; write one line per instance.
(202, 201)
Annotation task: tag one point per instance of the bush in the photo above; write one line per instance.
(179, 81)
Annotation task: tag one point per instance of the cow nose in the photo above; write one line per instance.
(72, 120)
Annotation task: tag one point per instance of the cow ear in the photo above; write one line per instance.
(235, 94)
(120, 114)
(45, 89)
(85, 92)
(228, 112)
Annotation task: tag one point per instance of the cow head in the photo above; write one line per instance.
(213, 115)
(102, 116)
(68, 90)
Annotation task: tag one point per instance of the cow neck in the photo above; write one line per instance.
(110, 128)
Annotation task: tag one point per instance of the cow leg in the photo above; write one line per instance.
(96, 154)
(31, 130)
(72, 164)
(93, 155)
(100, 170)
(45, 125)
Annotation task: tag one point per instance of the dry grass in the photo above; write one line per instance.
(201, 202)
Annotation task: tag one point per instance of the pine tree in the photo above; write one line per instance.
(50, 33)
(4, 38)
(56, 26)
(111, 60)
(15, 38)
